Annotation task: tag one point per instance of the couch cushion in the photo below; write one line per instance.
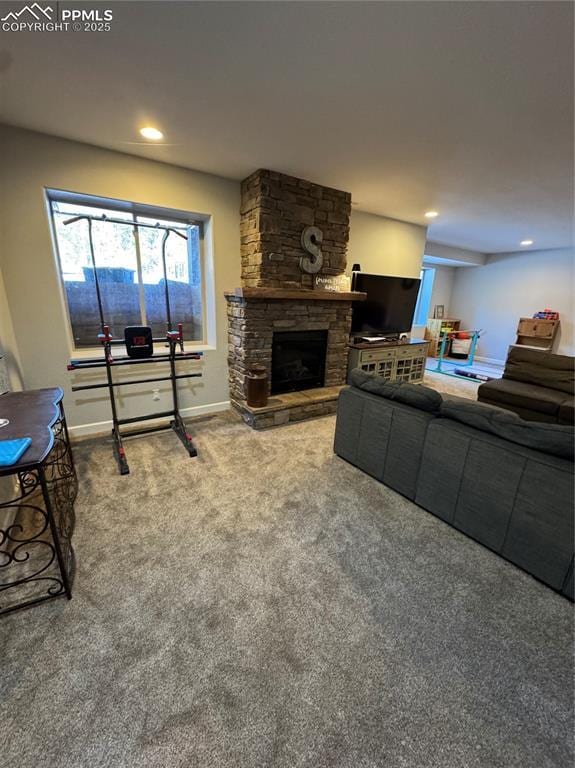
(416, 395)
(381, 437)
(540, 533)
(543, 369)
(525, 413)
(513, 499)
(522, 395)
(567, 411)
(555, 439)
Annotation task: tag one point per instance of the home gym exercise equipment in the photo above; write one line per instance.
(467, 341)
(476, 375)
(139, 343)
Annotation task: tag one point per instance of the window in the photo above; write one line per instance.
(424, 297)
(128, 266)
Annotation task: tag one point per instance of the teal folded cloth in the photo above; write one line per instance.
(11, 450)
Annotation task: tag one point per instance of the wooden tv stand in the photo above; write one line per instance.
(393, 360)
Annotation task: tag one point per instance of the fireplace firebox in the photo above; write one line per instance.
(298, 360)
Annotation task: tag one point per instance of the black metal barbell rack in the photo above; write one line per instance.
(174, 341)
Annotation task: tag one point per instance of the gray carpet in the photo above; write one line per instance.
(269, 605)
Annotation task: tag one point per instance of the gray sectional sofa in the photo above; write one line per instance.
(505, 482)
(536, 385)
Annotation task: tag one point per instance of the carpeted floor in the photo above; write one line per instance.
(268, 605)
(455, 385)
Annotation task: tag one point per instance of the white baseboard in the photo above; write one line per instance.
(490, 361)
(105, 427)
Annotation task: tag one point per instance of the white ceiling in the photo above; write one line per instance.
(463, 107)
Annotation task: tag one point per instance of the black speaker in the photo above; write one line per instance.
(139, 341)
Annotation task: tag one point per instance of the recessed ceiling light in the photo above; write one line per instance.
(431, 214)
(151, 133)
(526, 242)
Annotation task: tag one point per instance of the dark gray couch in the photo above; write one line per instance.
(538, 386)
(505, 482)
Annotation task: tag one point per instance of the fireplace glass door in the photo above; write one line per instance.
(298, 360)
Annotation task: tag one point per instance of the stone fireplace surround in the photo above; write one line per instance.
(251, 324)
(277, 296)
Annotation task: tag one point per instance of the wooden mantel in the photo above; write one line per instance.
(270, 294)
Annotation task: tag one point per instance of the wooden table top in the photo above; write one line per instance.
(385, 344)
(31, 414)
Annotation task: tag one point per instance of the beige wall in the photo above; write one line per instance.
(440, 294)
(8, 345)
(510, 286)
(30, 162)
(385, 246)
(442, 289)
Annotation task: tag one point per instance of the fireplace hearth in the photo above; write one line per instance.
(298, 360)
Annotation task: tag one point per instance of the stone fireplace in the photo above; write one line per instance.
(277, 302)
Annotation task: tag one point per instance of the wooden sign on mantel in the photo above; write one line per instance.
(336, 283)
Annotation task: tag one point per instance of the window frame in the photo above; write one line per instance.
(201, 221)
(425, 293)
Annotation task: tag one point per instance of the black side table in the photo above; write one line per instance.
(37, 497)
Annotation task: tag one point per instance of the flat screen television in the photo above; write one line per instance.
(389, 307)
